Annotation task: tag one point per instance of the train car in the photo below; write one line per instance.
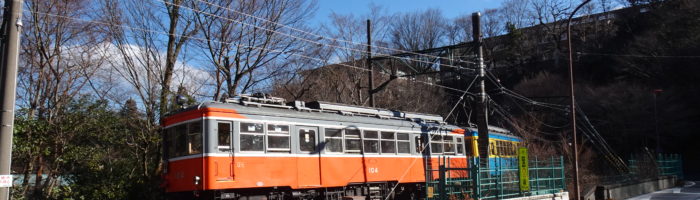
(259, 147)
(503, 146)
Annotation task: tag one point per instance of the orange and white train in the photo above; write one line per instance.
(258, 147)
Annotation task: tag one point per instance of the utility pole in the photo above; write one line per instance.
(12, 22)
(369, 65)
(482, 109)
(577, 193)
(656, 122)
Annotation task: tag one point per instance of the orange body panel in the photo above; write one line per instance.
(199, 113)
(297, 172)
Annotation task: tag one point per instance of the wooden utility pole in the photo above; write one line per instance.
(482, 108)
(12, 21)
(369, 65)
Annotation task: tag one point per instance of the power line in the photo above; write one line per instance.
(509, 119)
(514, 94)
(311, 41)
(461, 98)
(238, 45)
(635, 55)
(323, 37)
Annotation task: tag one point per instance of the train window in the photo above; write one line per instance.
(252, 137)
(371, 142)
(469, 146)
(436, 144)
(278, 138)
(388, 142)
(353, 143)
(499, 148)
(449, 144)
(492, 147)
(167, 143)
(194, 138)
(179, 141)
(460, 145)
(403, 143)
(224, 136)
(334, 140)
(509, 148)
(307, 140)
(172, 141)
(419, 148)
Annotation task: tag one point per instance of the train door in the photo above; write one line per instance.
(309, 160)
(224, 131)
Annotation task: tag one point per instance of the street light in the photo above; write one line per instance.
(577, 194)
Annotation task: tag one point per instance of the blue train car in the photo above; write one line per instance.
(503, 147)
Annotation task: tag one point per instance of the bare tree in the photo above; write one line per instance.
(460, 30)
(181, 26)
(57, 65)
(138, 35)
(246, 41)
(550, 16)
(137, 59)
(418, 30)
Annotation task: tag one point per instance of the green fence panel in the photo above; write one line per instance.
(499, 181)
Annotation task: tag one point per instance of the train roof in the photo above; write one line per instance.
(318, 110)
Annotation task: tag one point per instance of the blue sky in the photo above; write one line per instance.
(450, 8)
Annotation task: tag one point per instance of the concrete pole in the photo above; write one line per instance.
(577, 192)
(369, 65)
(13, 26)
(482, 109)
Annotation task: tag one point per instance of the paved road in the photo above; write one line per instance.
(690, 191)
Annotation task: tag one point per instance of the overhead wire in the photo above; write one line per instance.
(588, 130)
(635, 55)
(610, 154)
(460, 98)
(315, 42)
(238, 45)
(509, 119)
(326, 38)
(514, 94)
(431, 137)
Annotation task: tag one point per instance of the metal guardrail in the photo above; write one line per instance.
(499, 181)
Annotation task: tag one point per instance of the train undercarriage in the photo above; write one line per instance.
(377, 190)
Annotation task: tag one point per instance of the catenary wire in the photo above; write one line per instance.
(323, 37)
(311, 41)
(245, 46)
(635, 55)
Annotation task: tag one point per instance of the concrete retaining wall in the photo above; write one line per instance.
(623, 191)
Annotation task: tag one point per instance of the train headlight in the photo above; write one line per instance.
(196, 180)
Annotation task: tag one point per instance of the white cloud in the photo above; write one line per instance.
(149, 67)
